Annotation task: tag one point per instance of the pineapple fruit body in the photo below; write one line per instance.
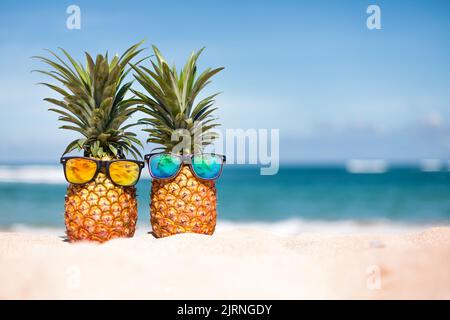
(100, 211)
(183, 204)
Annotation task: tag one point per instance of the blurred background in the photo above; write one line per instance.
(363, 114)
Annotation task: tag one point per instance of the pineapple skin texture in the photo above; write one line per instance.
(183, 204)
(100, 211)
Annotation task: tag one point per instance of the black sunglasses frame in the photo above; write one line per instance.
(185, 159)
(102, 164)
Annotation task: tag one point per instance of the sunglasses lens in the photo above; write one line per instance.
(124, 173)
(79, 170)
(163, 166)
(207, 166)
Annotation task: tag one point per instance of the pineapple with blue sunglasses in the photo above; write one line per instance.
(183, 193)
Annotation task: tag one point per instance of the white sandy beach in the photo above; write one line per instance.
(232, 264)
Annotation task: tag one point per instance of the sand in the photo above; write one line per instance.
(232, 264)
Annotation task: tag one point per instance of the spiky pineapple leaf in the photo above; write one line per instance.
(94, 102)
(170, 98)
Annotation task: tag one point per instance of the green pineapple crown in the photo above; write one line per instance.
(94, 102)
(170, 103)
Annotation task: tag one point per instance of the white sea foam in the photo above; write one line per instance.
(431, 165)
(284, 227)
(366, 166)
(299, 226)
(39, 174)
(32, 174)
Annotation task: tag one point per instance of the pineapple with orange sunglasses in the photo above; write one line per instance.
(101, 198)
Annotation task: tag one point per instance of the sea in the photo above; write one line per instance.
(303, 198)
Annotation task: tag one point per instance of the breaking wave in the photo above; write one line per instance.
(32, 174)
(284, 227)
(47, 174)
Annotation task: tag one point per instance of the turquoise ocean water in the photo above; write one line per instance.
(34, 196)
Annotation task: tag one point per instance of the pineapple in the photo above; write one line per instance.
(100, 211)
(183, 203)
(94, 105)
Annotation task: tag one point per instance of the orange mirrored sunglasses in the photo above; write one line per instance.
(122, 172)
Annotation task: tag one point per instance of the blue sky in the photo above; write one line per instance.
(312, 69)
